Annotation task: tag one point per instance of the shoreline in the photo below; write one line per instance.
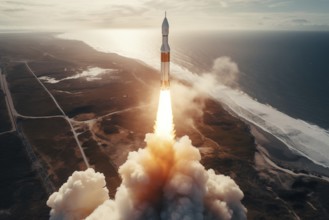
(279, 153)
(292, 161)
(317, 137)
(268, 143)
(282, 156)
(233, 148)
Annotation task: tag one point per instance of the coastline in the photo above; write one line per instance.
(122, 128)
(307, 138)
(283, 157)
(278, 156)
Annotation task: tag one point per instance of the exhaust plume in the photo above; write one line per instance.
(79, 196)
(163, 181)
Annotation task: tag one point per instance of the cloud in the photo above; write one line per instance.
(25, 3)
(300, 21)
(79, 196)
(279, 4)
(208, 14)
(225, 70)
(223, 4)
(13, 10)
(119, 16)
(163, 181)
(190, 103)
(266, 18)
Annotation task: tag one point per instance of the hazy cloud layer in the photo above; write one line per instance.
(192, 14)
(300, 21)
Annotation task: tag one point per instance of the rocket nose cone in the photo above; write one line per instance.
(165, 26)
(165, 22)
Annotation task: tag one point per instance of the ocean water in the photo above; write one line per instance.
(282, 85)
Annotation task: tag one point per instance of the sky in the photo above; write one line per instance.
(54, 15)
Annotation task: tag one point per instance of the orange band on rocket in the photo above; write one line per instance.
(165, 57)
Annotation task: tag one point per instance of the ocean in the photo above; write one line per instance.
(282, 86)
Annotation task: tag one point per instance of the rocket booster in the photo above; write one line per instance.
(165, 55)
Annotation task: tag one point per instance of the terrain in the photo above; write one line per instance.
(74, 107)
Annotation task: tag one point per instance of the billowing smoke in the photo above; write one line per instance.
(165, 180)
(79, 196)
(190, 102)
(225, 70)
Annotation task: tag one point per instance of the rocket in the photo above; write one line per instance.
(165, 55)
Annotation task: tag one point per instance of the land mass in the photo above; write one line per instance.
(75, 107)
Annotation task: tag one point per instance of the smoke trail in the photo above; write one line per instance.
(225, 70)
(165, 180)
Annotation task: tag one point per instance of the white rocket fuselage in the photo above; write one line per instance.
(165, 55)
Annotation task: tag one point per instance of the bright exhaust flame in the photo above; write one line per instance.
(164, 126)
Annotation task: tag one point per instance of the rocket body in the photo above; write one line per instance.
(165, 55)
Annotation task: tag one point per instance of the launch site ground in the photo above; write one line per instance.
(74, 107)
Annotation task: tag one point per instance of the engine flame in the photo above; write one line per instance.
(164, 125)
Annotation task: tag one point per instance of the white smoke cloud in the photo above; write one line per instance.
(191, 99)
(225, 70)
(79, 196)
(163, 181)
(189, 103)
